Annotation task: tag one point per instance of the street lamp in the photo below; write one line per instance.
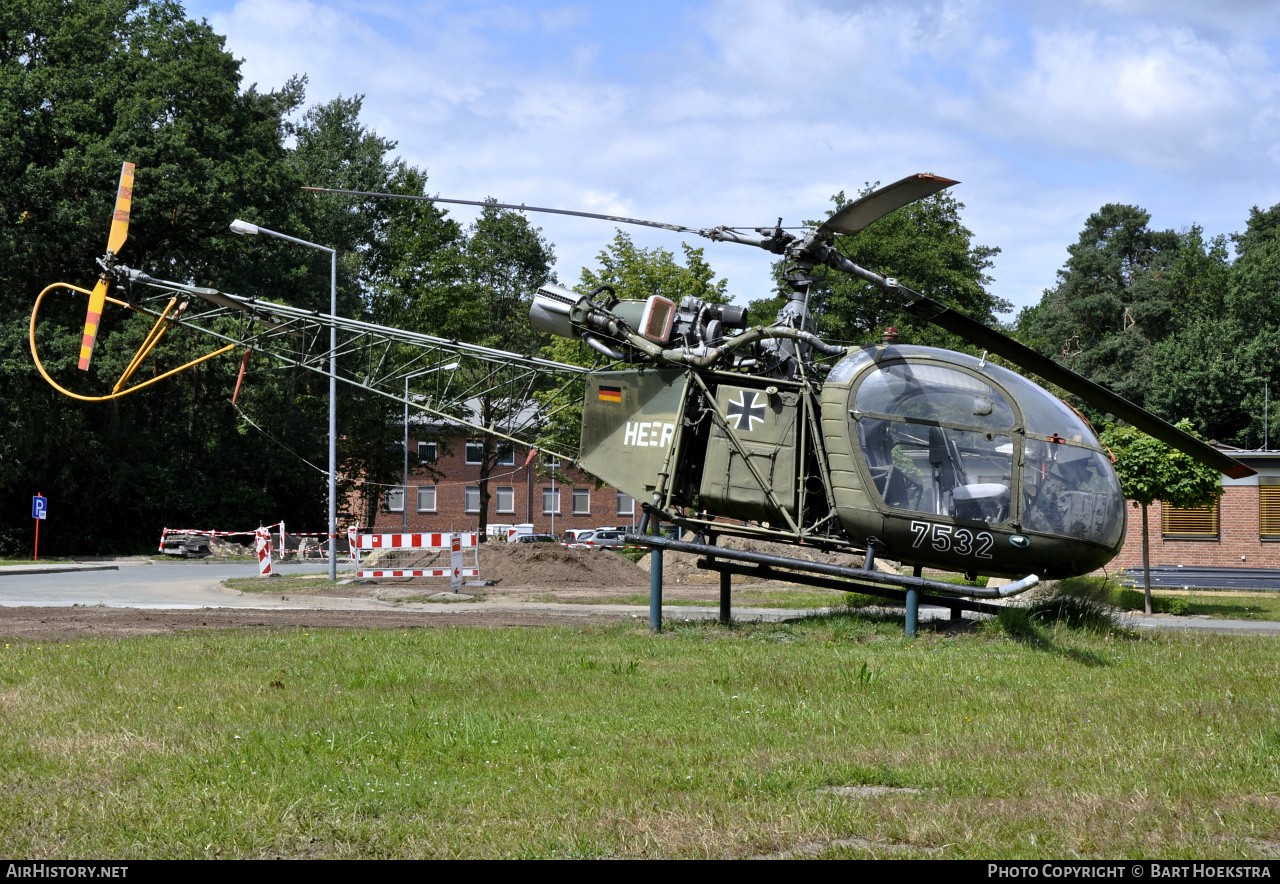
(404, 489)
(244, 228)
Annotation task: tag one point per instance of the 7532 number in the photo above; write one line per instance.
(944, 538)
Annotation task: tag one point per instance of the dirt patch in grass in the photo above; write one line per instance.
(837, 845)
(64, 624)
(868, 791)
(524, 564)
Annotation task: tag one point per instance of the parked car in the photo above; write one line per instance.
(607, 540)
(536, 538)
(577, 535)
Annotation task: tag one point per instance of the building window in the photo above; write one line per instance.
(475, 452)
(506, 455)
(1269, 511)
(550, 501)
(1198, 523)
(581, 502)
(626, 506)
(426, 498)
(506, 499)
(428, 452)
(395, 500)
(473, 499)
(551, 460)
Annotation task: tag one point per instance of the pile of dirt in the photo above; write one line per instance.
(681, 568)
(222, 548)
(524, 564)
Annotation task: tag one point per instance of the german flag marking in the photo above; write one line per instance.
(610, 394)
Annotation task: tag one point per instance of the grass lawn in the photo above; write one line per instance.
(276, 582)
(605, 741)
(1221, 604)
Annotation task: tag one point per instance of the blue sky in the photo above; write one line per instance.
(736, 111)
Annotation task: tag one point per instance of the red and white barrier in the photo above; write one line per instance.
(165, 532)
(414, 541)
(353, 543)
(262, 546)
(454, 542)
(430, 572)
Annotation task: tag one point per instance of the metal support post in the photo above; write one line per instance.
(913, 607)
(333, 417)
(655, 589)
(726, 612)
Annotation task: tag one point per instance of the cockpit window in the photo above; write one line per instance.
(1071, 490)
(1044, 414)
(936, 393)
(939, 470)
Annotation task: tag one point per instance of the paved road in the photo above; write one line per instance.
(197, 584)
(189, 584)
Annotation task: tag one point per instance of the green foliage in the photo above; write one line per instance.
(1150, 470)
(634, 273)
(84, 86)
(1168, 320)
(637, 273)
(925, 246)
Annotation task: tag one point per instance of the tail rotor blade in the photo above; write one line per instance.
(119, 232)
(97, 300)
(124, 203)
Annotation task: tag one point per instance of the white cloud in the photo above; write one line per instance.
(742, 111)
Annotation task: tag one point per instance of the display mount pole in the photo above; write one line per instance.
(655, 578)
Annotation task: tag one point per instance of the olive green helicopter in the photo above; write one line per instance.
(724, 428)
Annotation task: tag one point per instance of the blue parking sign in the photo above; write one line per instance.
(39, 507)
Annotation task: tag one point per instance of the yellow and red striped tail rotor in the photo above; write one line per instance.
(119, 232)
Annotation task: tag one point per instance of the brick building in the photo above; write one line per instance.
(1241, 531)
(520, 492)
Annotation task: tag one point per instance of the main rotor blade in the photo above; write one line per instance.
(1102, 398)
(1021, 355)
(862, 212)
(439, 199)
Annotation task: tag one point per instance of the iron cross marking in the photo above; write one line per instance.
(747, 411)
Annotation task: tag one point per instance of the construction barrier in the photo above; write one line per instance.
(262, 546)
(282, 544)
(399, 552)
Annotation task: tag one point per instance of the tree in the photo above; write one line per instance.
(925, 246)
(1111, 302)
(634, 273)
(83, 86)
(389, 252)
(1167, 320)
(478, 288)
(1150, 470)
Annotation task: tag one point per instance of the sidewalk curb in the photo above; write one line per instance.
(18, 570)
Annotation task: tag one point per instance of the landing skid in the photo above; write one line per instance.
(911, 590)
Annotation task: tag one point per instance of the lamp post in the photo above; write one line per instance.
(244, 228)
(404, 489)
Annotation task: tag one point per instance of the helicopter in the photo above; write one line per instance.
(929, 457)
